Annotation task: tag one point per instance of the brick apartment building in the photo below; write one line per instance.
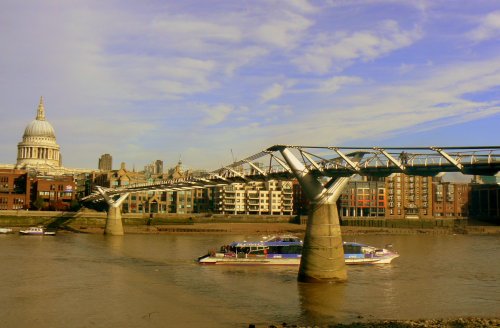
(19, 191)
(57, 192)
(14, 189)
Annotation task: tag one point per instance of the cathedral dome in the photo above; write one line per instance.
(38, 147)
(38, 128)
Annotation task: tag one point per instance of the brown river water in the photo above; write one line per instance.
(80, 280)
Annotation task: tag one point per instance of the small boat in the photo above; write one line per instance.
(5, 230)
(287, 250)
(40, 231)
(356, 253)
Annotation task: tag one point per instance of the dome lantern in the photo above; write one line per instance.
(40, 114)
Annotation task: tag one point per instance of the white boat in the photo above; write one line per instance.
(287, 250)
(356, 253)
(40, 231)
(5, 230)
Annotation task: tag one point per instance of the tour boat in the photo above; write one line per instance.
(286, 250)
(5, 230)
(40, 231)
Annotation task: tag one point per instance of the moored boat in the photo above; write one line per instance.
(5, 230)
(287, 250)
(40, 231)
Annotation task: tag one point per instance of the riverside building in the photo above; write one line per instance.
(364, 198)
(180, 202)
(450, 199)
(409, 196)
(269, 197)
(401, 196)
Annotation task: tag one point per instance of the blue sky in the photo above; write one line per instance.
(147, 80)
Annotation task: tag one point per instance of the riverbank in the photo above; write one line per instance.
(94, 222)
(271, 228)
(471, 322)
(260, 229)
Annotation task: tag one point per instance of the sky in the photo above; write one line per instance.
(208, 81)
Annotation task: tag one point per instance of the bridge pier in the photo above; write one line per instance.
(114, 225)
(323, 252)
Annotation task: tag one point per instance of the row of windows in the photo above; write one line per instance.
(53, 193)
(5, 200)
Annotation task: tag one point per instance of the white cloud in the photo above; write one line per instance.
(273, 92)
(216, 114)
(489, 28)
(406, 68)
(190, 30)
(282, 32)
(333, 84)
(303, 6)
(338, 50)
(242, 57)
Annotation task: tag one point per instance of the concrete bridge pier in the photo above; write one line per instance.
(323, 253)
(114, 225)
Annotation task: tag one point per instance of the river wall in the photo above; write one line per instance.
(170, 222)
(98, 219)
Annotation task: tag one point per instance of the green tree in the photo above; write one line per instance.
(38, 203)
(75, 205)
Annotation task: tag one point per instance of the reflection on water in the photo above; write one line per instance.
(321, 303)
(153, 281)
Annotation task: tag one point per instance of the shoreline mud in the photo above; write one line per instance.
(285, 228)
(266, 228)
(467, 322)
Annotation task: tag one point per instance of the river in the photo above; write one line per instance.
(85, 280)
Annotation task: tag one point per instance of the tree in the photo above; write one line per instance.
(74, 206)
(39, 203)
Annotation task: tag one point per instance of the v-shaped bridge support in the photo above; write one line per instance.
(114, 225)
(323, 253)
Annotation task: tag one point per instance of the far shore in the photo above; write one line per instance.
(267, 228)
(87, 221)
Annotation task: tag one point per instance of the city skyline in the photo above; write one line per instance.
(161, 79)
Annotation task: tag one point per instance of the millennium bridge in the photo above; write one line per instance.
(322, 173)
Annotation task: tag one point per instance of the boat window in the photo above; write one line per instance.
(257, 251)
(352, 249)
(292, 249)
(274, 250)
